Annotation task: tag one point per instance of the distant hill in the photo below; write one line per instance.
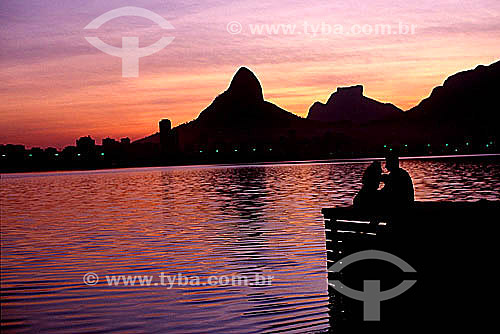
(349, 104)
(241, 117)
(151, 139)
(243, 105)
(464, 108)
(466, 104)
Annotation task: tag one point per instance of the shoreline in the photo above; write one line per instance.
(13, 174)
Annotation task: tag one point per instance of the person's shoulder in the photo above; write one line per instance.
(404, 174)
(402, 171)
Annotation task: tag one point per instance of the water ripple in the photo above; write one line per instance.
(204, 221)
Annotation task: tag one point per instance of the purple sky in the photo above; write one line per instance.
(56, 86)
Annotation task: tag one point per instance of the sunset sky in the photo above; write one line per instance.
(56, 87)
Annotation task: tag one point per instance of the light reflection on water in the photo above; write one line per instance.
(200, 221)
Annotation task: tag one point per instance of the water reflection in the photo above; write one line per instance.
(205, 221)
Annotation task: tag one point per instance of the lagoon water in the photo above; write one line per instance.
(196, 221)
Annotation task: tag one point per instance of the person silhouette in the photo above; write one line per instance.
(369, 195)
(398, 186)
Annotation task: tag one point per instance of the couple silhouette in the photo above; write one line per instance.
(397, 191)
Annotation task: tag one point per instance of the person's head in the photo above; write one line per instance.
(392, 161)
(372, 175)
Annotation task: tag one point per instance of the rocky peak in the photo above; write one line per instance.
(245, 86)
(349, 104)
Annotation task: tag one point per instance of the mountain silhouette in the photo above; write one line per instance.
(349, 104)
(466, 102)
(464, 108)
(245, 86)
(465, 105)
(242, 105)
(241, 117)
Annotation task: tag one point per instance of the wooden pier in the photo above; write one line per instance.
(453, 247)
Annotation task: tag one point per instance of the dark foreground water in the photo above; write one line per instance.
(196, 222)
